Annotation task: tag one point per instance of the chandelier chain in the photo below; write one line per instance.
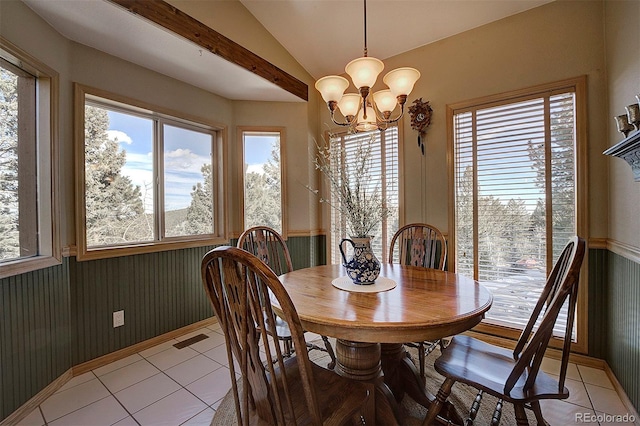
(365, 29)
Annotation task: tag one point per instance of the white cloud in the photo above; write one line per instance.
(255, 168)
(119, 136)
(184, 159)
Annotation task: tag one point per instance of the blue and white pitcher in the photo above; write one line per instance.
(363, 268)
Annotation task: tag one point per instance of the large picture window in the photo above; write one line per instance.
(516, 192)
(28, 176)
(149, 179)
(385, 180)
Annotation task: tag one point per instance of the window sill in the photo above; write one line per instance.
(22, 266)
(119, 251)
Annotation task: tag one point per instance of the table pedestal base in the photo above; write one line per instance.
(392, 372)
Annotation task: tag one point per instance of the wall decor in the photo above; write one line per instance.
(420, 119)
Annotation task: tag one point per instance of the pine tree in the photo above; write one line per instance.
(9, 234)
(113, 205)
(200, 211)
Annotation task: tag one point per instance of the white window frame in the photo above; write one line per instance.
(578, 86)
(160, 116)
(46, 157)
(256, 130)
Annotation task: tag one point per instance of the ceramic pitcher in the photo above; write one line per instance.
(363, 268)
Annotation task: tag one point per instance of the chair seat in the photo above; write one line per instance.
(337, 396)
(487, 367)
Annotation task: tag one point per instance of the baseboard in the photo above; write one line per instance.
(622, 394)
(25, 409)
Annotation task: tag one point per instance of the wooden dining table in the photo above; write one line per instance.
(371, 327)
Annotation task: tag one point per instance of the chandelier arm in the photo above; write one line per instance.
(382, 118)
(347, 121)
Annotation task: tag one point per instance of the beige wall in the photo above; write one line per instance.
(553, 42)
(78, 63)
(622, 20)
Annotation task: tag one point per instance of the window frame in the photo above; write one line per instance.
(578, 86)
(46, 156)
(328, 212)
(240, 131)
(125, 104)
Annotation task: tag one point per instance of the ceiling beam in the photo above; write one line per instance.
(181, 24)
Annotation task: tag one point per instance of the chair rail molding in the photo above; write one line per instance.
(629, 150)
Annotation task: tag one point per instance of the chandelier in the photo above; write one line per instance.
(361, 111)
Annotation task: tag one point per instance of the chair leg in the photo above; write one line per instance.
(521, 415)
(497, 413)
(288, 348)
(535, 406)
(329, 348)
(475, 407)
(421, 360)
(438, 403)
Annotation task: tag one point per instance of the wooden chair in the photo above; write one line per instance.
(419, 244)
(268, 245)
(515, 376)
(273, 389)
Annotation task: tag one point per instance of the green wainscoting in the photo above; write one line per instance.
(55, 318)
(35, 333)
(622, 335)
(58, 317)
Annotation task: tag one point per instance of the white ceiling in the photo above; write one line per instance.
(322, 35)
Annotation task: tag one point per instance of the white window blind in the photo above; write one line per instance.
(384, 179)
(515, 180)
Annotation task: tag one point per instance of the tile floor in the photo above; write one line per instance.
(168, 386)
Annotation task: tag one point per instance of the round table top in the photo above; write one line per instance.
(426, 304)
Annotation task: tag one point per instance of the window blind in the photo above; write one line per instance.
(514, 176)
(384, 180)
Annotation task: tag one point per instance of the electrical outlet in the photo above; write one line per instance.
(118, 319)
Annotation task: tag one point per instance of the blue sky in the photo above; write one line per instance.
(185, 152)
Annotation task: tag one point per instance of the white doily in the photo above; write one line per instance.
(381, 284)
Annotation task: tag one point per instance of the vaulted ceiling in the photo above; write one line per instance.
(322, 35)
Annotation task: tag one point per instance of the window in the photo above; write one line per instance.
(28, 176)
(150, 180)
(263, 179)
(516, 192)
(385, 155)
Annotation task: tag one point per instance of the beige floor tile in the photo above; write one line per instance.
(127, 421)
(117, 364)
(577, 394)
(192, 369)
(33, 419)
(78, 380)
(605, 400)
(171, 357)
(107, 411)
(129, 375)
(212, 387)
(219, 355)
(63, 403)
(144, 393)
(158, 348)
(560, 413)
(552, 366)
(202, 419)
(595, 376)
(174, 409)
(213, 340)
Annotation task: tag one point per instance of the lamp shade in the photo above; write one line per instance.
(349, 104)
(332, 87)
(401, 80)
(369, 124)
(385, 101)
(364, 71)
